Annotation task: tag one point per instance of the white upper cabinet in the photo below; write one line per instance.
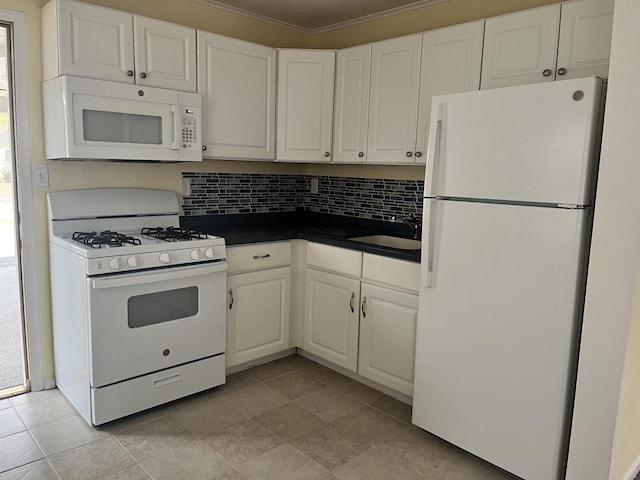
(91, 41)
(305, 105)
(237, 82)
(567, 40)
(393, 107)
(585, 39)
(521, 47)
(351, 113)
(86, 41)
(451, 62)
(165, 54)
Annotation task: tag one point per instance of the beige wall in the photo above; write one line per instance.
(626, 447)
(605, 434)
(439, 15)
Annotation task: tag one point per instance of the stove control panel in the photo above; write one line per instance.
(141, 261)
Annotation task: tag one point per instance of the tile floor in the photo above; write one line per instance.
(291, 419)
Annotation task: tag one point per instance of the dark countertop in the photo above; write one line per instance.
(315, 227)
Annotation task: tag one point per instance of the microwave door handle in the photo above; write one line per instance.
(177, 127)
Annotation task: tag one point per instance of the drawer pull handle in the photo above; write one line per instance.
(230, 298)
(364, 307)
(353, 296)
(256, 257)
(166, 380)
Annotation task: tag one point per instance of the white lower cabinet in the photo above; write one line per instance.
(258, 301)
(331, 317)
(387, 337)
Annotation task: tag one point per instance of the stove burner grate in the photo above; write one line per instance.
(106, 238)
(173, 234)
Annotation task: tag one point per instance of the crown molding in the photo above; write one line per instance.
(328, 28)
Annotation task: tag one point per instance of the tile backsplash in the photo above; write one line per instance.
(232, 193)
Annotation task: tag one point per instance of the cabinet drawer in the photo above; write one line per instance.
(258, 256)
(391, 271)
(334, 259)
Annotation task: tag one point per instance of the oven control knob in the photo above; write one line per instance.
(164, 257)
(132, 261)
(114, 263)
(208, 252)
(195, 254)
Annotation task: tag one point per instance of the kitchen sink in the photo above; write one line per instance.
(389, 241)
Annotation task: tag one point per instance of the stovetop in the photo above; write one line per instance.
(148, 235)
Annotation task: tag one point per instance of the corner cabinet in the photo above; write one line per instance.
(91, 41)
(258, 301)
(305, 105)
(237, 82)
(550, 43)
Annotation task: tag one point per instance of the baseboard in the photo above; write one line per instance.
(49, 383)
(633, 470)
(358, 378)
(254, 363)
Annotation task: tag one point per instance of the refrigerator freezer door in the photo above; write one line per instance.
(494, 346)
(531, 143)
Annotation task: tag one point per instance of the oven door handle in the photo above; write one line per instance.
(125, 280)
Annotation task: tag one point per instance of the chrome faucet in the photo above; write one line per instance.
(414, 224)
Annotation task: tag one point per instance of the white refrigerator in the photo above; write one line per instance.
(506, 223)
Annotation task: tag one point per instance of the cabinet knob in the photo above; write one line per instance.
(364, 307)
(409, 154)
(418, 154)
(546, 72)
(327, 154)
(361, 154)
(143, 75)
(353, 296)
(204, 148)
(257, 257)
(129, 73)
(562, 71)
(230, 298)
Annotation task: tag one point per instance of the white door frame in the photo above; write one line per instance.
(22, 157)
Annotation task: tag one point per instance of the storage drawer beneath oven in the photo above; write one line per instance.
(132, 396)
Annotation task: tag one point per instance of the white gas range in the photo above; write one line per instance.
(138, 303)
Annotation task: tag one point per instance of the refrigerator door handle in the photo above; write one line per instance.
(428, 220)
(433, 148)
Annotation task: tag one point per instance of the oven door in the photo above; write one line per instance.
(148, 321)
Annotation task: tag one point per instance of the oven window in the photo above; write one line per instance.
(159, 307)
(115, 127)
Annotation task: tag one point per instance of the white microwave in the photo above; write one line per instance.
(94, 119)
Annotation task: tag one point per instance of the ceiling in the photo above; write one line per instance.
(318, 15)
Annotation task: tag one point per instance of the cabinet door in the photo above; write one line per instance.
(257, 314)
(393, 107)
(351, 114)
(331, 318)
(236, 80)
(305, 105)
(451, 61)
(387, 337)
(520, 48)
(95, 42)
(165, 54)
(585, 39)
